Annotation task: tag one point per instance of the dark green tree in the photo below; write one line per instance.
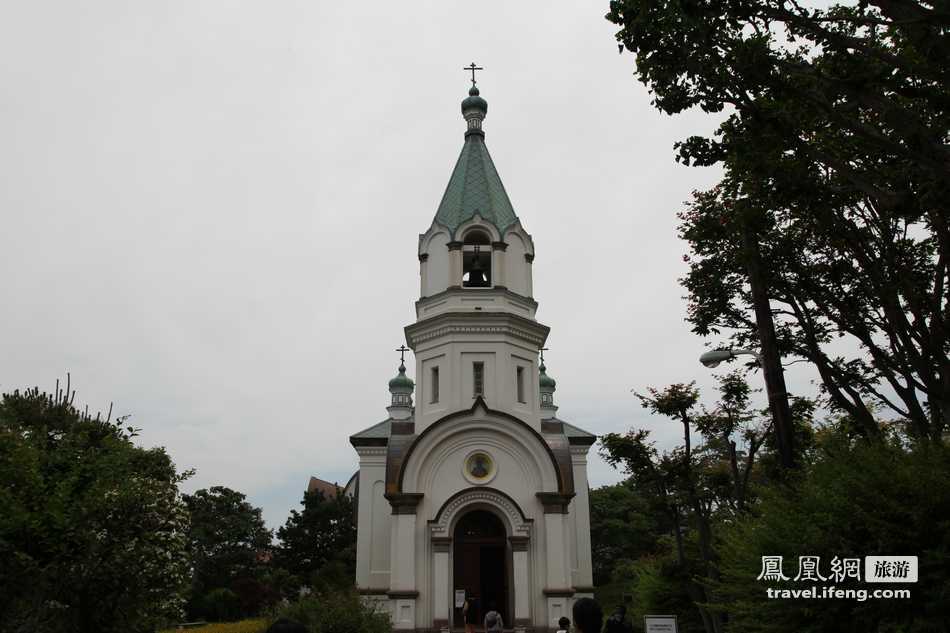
(228, 541)
(855, 499)
(837, 172)
(318, 544)
(624, 525)
(91, 525)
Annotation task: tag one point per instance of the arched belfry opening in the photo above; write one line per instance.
(476, 260)
(482, 564)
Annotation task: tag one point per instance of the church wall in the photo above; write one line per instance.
(373, 534)
(518, 271)
(435, 269)
(583, 573)
(455, 358)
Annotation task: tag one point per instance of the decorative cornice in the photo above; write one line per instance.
(423, 257)
(367, 591)
(370, 446)
(514, 296)
(519, 543)
(441, 543)
(499, 246)
(529, 257)
(565, 592)
(554, 502)
(454, 246)
(404, 502)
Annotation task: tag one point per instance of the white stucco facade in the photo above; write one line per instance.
(475, 485)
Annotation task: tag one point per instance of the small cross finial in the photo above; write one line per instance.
(543, 349)
(473, 68)
(402, 349)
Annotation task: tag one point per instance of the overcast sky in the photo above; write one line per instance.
(210, 213)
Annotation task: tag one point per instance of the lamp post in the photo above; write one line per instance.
(775, 388)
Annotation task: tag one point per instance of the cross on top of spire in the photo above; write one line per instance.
(543, 349)
(402, 349)
(473, 68)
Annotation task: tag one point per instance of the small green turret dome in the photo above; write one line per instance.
(545, 381)
(474, 102)
(401, 381)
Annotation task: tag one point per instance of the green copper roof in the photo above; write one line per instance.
(401, 381)
(545, 381)
(475, 188)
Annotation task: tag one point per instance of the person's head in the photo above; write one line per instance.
(621, 611)
(283, 625)
(588, 616)
(493, 606)
(564, 623)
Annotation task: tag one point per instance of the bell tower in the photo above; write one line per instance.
(475, 333)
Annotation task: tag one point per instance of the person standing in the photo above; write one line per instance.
(470, 614)
(564, 625)
(493, 620)
(617, 623)
(588, 616)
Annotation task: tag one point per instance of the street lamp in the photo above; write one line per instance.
(774, 388)
(714, 357)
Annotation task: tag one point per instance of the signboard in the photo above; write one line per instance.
(459, 598)
(659, 623)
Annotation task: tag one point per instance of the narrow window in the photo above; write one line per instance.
(435, 385)
(520, 379)
(478, 375)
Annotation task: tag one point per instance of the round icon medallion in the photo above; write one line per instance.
(479, 467)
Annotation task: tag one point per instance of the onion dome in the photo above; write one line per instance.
(545, 381)
(401, 381)
(474, 102)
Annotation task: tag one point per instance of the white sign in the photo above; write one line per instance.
(659, 623)
(459, 598)
(890, 569)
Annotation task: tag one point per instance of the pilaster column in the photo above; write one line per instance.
(402, 580)
(498, 274)
(558, 591)
(455, 264)
(423, 274)
(441, 592)
(519, 564)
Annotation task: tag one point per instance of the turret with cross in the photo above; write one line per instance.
(401, 388)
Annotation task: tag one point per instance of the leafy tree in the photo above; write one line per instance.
(624, 526)
(228, 541)
(319, 543)
(833, 204)
(92, 528)
(855, 499)
(694, 486)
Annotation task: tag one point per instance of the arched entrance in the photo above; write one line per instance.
(481, 564)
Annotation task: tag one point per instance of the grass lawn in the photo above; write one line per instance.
(244, 626)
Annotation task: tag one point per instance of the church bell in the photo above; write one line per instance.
(476, 275)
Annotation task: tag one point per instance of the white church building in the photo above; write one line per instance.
(472, 484)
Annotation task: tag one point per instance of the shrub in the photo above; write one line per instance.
(339, 612)
(856, 500)
(221, 605)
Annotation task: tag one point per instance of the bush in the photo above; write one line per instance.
(855, 500)
(221, 605)
(339, 612)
